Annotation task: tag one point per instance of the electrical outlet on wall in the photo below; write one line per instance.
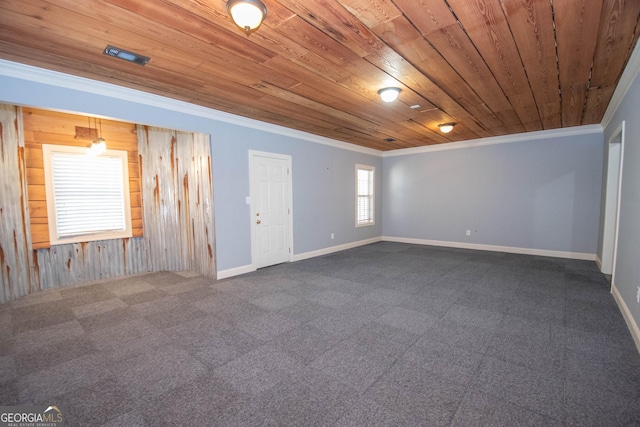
(638, 295)
(332, 236)
(468, 232)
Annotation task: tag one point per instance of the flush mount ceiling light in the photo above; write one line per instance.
(446, 127)
(247, 14)
(116, 52)
(389, 94)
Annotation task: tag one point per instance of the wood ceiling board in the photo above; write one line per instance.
(400, 35)
(407, 42)
(216, 11)
(531, 24)
(213, 63)
(312, 39)
(334, 20)
(83, 44)
(167, 16)
(294, 116)
(372, 12)
(573, 104)
(614, 41)
(338, 117)
(431, 136)
(402, 70)
(297, 115)
(336, 54)
(455, 47)
(178, 48)
(597, 102)
(577, 24)
(348, 101)
(427, 15)
(284, 47)
(339, 96)
(486, 25)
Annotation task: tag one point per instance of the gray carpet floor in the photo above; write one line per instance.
(381, 335)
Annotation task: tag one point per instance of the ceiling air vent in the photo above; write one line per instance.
(116, 52)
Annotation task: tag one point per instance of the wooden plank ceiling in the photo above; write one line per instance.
(493, 67)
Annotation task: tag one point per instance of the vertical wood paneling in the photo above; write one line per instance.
(178, 200)
(15, 255)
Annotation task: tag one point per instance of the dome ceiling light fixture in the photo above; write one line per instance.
(446, 127)
(247, 14)
(389, 94)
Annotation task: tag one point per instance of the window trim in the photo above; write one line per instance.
(47, 151)
(372, 196)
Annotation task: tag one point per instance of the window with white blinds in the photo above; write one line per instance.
(365, 195)
(87, 195)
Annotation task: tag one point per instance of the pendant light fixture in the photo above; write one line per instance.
(247, 14)
(389, 94)
(99, 145)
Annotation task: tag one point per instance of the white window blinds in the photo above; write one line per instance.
(87, 196)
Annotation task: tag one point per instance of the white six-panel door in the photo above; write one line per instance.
(270, 208)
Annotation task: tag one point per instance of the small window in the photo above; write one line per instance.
(365, 206)
(87, 195)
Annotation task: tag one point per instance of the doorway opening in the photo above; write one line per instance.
(615, 153)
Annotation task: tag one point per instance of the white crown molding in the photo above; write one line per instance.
(504, 139)
(624, 84)
(82, 84)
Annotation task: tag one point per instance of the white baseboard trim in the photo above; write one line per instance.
(599, 262)
(236, 271)
(332, 249)
(493, 248)
(626, 313)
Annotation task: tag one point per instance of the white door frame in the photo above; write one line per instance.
(613, 187)
(252, 197)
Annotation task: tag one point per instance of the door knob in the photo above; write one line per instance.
(257, 213)
(258, 222)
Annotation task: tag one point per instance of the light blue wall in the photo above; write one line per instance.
(627, 269)
(323, 176)
(539, 194)
(323, 191)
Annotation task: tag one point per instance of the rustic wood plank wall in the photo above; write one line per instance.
(49, 127)
(178, 216)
